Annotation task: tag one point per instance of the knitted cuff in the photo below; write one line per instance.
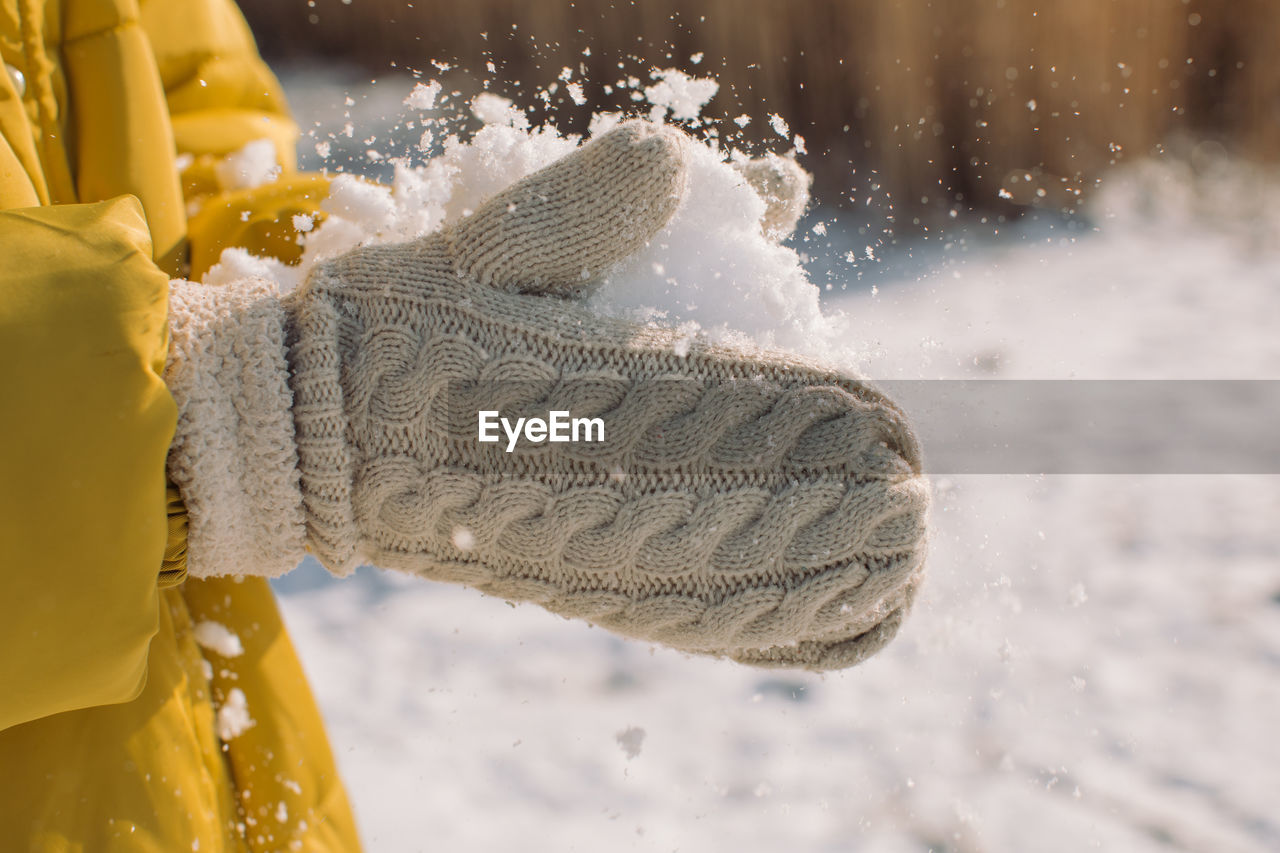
(318, 349)
(234, 455)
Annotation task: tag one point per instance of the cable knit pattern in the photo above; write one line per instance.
(233, 454)
(744, 503)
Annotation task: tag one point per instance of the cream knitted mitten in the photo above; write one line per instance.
(741, 503)
(784, 186)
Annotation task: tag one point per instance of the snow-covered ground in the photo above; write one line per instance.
(1094, 662)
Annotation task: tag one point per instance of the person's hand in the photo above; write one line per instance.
(742, 503)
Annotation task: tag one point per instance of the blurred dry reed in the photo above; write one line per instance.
(976, 104)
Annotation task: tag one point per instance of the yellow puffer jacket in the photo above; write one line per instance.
(108, 707)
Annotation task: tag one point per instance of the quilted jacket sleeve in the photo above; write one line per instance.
(86, 421)
(85, 428)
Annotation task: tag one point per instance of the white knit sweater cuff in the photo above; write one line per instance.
(234, 456)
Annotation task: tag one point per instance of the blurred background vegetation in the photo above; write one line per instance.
(920, 106)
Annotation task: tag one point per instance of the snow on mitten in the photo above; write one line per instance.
(740, 502)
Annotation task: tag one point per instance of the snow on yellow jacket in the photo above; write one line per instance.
(108, 707)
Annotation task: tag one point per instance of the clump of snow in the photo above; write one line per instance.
(235, 263)
(423, 97)
(233, 716)
(252, 166)
(712, 266)
(496, 110)
(217, 638)
(360, 201)
(678, 93)
(710, 273)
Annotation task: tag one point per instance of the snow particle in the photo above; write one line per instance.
(779, 125)
(233, 717)
(463, 539)
(682, 95)
(498, 111)
(630, 740)
(423, 96)
(217, 638)
(688, 332)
